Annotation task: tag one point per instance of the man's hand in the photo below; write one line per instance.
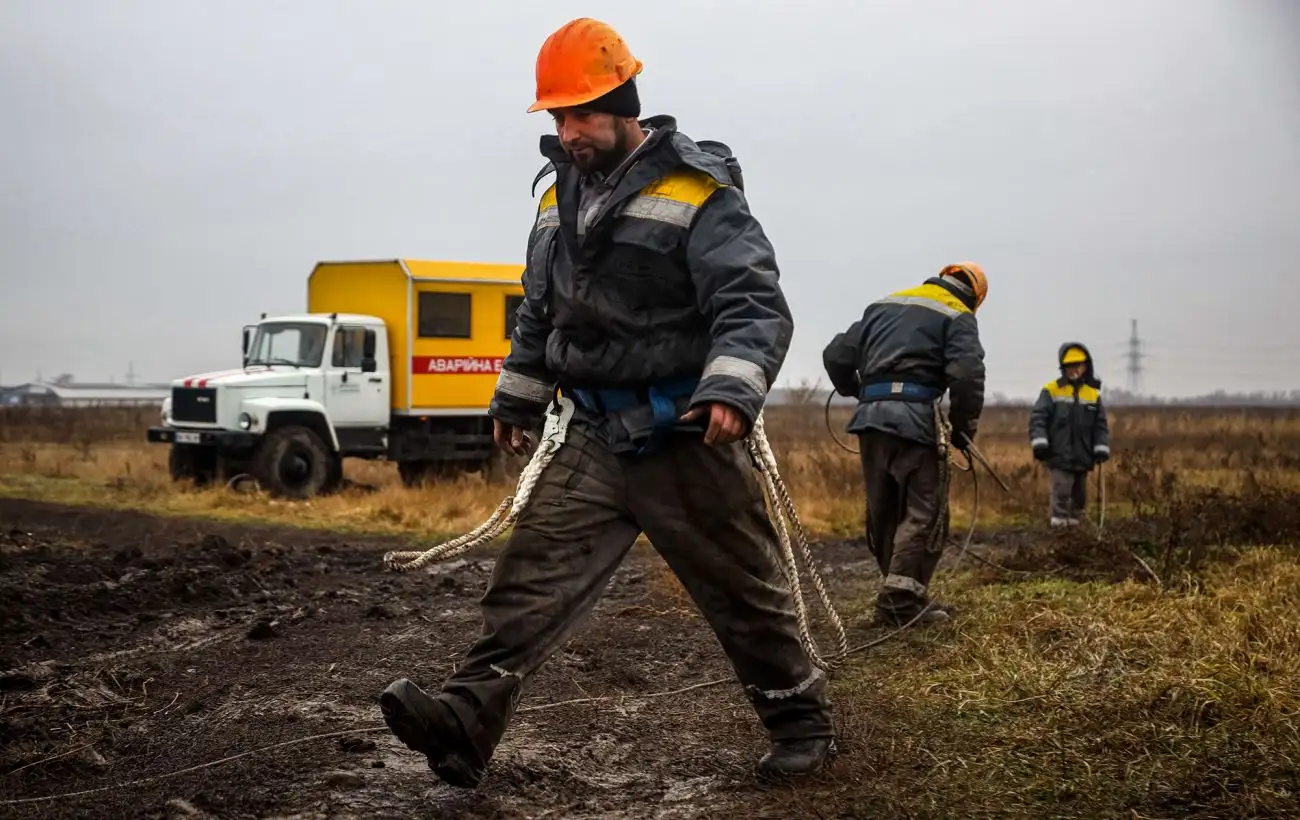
(726, 424)
(511, 439)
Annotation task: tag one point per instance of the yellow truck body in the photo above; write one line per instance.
(449, 325)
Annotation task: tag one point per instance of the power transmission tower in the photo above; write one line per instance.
(130, 373)
(1135, 357)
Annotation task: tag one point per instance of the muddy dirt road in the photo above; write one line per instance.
(134, 646)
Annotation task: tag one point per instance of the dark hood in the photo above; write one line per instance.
(1089, 374)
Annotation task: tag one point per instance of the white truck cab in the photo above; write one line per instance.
(403, 371)
(313, 389)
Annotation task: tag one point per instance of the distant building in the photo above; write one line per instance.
(44, 394)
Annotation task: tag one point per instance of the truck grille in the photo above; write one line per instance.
(194, 404)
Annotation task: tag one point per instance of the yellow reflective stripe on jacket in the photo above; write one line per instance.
(1065, 392)
(548, 210)
(674, 199)
(934, 297)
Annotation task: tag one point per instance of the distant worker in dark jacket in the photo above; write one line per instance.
(1069, 432)
(898, 360)
(651, 299)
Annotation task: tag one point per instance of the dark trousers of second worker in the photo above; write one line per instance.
(1069, 496)
(703, 510)
(903, 505)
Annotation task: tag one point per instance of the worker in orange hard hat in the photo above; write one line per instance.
(652, 301)
(898, 360)
(1069, 432)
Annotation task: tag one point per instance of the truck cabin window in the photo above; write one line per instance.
(444, 315)
(298, 344)
(349, 343)
(512, 308)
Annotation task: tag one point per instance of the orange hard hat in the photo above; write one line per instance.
(974, 274)
(583, 60)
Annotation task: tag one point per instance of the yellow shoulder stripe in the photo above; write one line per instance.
(685, 185)
(1087, 393)
(932, 293)
(549, 199)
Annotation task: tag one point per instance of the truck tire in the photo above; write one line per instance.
(293, 462)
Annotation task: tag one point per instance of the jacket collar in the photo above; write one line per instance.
(967, 299)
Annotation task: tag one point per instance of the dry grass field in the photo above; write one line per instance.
(1082, 684)
(100, 457)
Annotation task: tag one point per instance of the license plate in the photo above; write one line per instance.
(188, 438)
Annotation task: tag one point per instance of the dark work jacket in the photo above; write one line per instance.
(1070, 419)
(673, 279)
(925, 335)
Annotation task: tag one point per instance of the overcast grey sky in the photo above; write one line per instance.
(170, 169)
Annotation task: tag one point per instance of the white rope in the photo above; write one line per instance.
(786, 519)
(557, 425)
(781, 508)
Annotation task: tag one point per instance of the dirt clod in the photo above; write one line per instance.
(262, 630)
(356, 744)
(344, 780)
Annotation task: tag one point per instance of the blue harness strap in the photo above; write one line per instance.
(898, 391)
(661, 396)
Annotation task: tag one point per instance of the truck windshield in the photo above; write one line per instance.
(300, 344)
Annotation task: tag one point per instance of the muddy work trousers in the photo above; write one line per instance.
(1069, 496)
(702, 509)
(903, 505)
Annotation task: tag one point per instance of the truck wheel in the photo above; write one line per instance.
(334, 481)
(293, 462)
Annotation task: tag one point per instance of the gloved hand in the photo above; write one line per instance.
(1040, 452)
(963, 436)
(1101, 457)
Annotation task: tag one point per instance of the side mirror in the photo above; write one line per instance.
(247, 339)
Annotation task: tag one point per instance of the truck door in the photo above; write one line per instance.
(355, 398)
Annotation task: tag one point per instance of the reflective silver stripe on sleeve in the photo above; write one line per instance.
(1037, 442)
(903, 582)
(1102, 448)
(549, 217)
(661, 209)
(748, 372)
(524, 387)
(921, 301)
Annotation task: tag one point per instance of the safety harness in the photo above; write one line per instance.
(662, 397)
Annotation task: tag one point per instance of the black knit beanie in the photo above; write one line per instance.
(621, 102)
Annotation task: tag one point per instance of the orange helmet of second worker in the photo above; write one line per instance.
(582, 61)
(972, 273)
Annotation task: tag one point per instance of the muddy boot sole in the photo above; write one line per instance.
(400, 704)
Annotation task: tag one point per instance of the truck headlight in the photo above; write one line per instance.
(246, 421)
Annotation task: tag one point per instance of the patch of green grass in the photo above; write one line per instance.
(1052, 698)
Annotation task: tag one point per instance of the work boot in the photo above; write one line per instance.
(429, 727)
(797, 757)
(937, 614)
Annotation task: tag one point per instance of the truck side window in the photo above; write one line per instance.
(444, 315)
(512, 307)
(348, 347)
